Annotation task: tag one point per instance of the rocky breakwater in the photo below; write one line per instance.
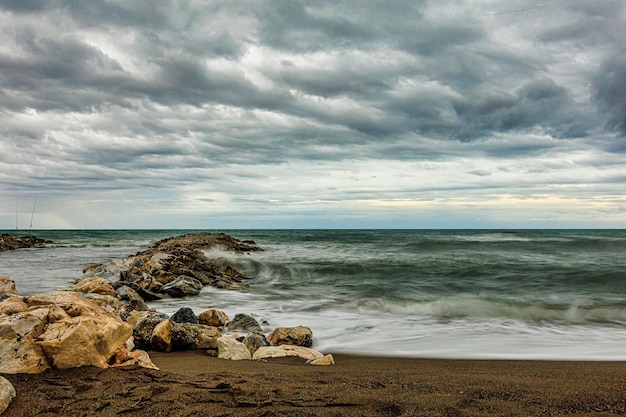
(63, 330)
(11, 242)
(239, 338)
(176, 267)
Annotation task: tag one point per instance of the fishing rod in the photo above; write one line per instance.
(32, 216)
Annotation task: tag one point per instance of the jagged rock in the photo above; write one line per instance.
(213, 317)
(183, 336)
(146, 295)
(142, 331)
(126, 293)
(7, 393)
(229, 348)
(7, 286)
(126, 356)
(127, 308)
(184, 315)
(108, 302)
(18, 351)
(12, 305)
(134, 317)
(62, 330)
(111, 271)
(205, 337)
(161, 338)
(83, 341)
(94, 285)
(244, 323)
(255, 340)
(326, 360)
(286, 350)
(182, 286)
(299, 336)
(10, 242)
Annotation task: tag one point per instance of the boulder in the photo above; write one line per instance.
(135, 357)
(299, 336)
(18, 351)
(184, 315)
(142, 331)
(94, 285)
(134, 317)
(126, 293)
(111, 271)
(7, 393)
(182, 286)
(213, 317)
(108, 302)
(7, 286)
(161, 338)
(194, 336)
(12, 305)
(183, 336)
(127, 308)
(83, 341)
(72, 303)
(244, 323)
(61, 330)
(326, 360)
(286, 350)
(255, 340)
(145, 294)
(229, 348)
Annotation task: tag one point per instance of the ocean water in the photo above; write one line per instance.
(496, 294)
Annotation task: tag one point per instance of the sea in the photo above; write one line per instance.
(465, 294)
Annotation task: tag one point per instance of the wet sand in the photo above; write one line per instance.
(191, 383)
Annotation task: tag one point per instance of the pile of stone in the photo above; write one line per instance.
(176, 267)
(214, 331)
(103, 320)
(62, 330)
(10, 242)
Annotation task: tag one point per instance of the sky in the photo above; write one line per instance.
(312, 114)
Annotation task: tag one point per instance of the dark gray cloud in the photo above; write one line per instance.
(610, 91)
(314, 107)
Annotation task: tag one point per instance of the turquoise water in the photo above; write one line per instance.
(536, 294)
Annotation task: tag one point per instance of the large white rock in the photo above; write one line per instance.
(83, 341)
(282, 351)
(18, 332)
(7, 393)
(62, 330)
(229, 348)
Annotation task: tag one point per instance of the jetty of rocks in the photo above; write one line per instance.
(176, 267)
(11, 242)
(103, 319)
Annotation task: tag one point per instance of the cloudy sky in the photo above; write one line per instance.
(302, 114)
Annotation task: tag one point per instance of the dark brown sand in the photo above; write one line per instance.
(193, 384)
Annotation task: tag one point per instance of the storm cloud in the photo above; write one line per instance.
(313, 114)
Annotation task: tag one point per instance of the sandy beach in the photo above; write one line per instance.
(191, 383)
